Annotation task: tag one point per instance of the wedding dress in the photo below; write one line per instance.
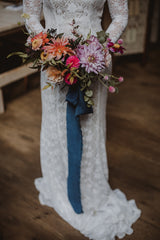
(106, 212)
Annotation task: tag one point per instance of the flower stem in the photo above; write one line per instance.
(103, 83)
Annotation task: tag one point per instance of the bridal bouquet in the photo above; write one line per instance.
(73, 61)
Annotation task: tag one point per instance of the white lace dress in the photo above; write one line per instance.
(107, 213)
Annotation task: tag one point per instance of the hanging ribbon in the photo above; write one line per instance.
(76, 106)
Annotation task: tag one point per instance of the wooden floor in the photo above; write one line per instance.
(133, 156)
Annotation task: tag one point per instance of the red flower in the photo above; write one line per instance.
(73, 61)
(115, 47)
(69, 79)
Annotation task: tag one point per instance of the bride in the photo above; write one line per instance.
(105, 213)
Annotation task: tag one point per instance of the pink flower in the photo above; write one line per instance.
(91, 57)
(111, 89)
(94, 40)
(106, 78)
(73, 61)
(120, 79)
(120, 41)
(70, 80)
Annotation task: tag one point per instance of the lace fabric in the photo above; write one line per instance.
(33, 8)
(107, 213)
(87, 13)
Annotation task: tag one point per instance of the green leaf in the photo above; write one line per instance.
(35, 63)
(46, 86)
(89, 83)
(59, 35)
(53, 61)
(89, 34)
(90, 102)
(83, 84)
(102, 36)
(73, 69)
(15, 53)
(59, 62)
(117, 90)
(25, 15)
(23, 60)
(77, 41)
(86, 99)
(89, 93)
(44, 63)
(24, 55)
(19, 23)
(83, 88)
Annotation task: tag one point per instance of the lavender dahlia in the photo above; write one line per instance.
(94, 40)
(91, 57)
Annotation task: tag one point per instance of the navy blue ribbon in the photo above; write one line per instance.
(76, 106)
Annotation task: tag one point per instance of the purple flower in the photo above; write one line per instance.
(94, 40)
(91, 57)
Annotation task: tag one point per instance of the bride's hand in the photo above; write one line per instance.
(108, 58)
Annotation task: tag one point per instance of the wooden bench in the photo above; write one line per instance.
(8, 25)
(12, 76)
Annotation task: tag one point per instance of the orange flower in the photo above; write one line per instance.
(116, 45)
(44, 56)
(36, 44)
(42, 36)
(55, 75)
(58, 47)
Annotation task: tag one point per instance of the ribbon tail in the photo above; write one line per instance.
(74, 144)
(76, 106)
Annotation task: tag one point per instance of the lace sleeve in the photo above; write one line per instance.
(33, 9)
(119, 14)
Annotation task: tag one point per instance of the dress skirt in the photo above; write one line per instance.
(107, 213)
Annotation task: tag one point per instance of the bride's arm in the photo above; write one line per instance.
(33, 9)
(119, 14)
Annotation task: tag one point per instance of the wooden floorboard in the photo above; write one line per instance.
(133, 138)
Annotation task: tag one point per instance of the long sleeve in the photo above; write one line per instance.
(33, 9)
(119, 13)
